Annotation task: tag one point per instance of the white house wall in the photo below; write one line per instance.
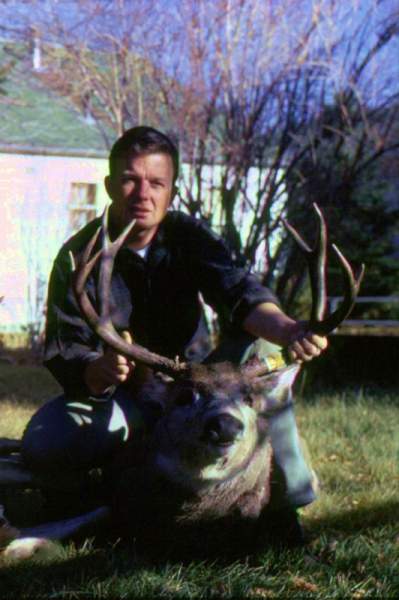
(34, 197)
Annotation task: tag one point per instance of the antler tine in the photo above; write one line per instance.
(81, 271)
(317, 266)
(109, 252)
(102, 324)
(352, 284)
(84, 268)
(316, 258)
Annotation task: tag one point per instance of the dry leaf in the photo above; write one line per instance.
(260, 592)
(332, 546)
(301, 584)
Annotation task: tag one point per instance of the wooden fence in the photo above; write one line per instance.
(367, 327)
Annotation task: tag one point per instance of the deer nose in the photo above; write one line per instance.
(222, 429)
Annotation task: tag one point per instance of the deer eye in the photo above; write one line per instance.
(248, 399)
(186, 396)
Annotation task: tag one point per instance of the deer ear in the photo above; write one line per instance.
(276, 387)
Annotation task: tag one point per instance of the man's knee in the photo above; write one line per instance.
(78, 433)
(46, 439)
(56, 439)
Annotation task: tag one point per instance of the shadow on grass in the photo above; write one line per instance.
(27, 385)
(36, 579)
(113, 570)
(109, 568)
(355, 519)
(102, 564)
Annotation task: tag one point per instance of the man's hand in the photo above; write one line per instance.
(110, 369)
(268, 321)
(305, 345)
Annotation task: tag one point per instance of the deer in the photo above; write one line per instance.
(206, 467)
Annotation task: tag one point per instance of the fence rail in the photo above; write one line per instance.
(367, 327)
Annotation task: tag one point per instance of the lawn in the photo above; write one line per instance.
(354, 539)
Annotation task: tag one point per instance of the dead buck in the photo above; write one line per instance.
(206, 467)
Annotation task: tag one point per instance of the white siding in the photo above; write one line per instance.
(34, 196)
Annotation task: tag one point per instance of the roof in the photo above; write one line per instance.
(36, 119)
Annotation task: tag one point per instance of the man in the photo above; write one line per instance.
(166, 261)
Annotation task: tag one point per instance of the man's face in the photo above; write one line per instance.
(141, 188)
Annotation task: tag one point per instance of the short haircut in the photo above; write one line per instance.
(143, 140)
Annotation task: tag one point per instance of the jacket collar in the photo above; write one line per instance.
(159, 246)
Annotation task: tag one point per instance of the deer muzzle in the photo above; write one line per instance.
(222, 429)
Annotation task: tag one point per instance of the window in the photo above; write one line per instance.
(82, 205)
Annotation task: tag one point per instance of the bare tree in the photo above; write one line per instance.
(245, 107)
(352, 130)
(283, 95)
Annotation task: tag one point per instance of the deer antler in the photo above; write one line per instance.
(102, 323)
(316, 259)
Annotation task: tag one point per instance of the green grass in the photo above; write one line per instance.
(354, 547)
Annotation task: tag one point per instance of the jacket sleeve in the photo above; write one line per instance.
(224, 284)
(69, 342)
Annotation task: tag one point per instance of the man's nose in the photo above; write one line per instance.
(142, 189)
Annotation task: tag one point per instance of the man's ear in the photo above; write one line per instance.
(108, 185)
(174, 193)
